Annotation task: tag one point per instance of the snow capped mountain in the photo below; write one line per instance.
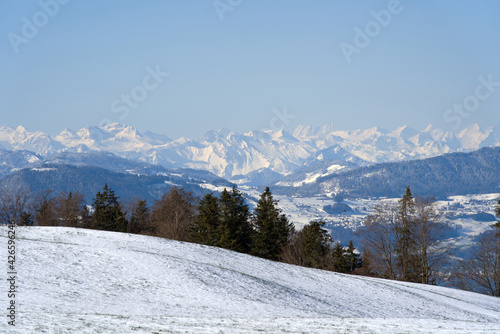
(234, 156)
(473, 137)
(21, 139)
(111, 137)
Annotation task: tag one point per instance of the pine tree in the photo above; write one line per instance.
(107, 213)
(315, 244)
(86, 218)
(206, 227)
(26, 219)
(405, 243)
(140, 219)
(235, 228)
(272, 229)
(352, 258)
(340, 263)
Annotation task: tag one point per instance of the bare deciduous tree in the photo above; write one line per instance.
(70, 209)
(292, 252)
(405, 244)
(45, 209)
(378, 238)
(429, 232)
(173, 214)
(14, 204)
(481, 273)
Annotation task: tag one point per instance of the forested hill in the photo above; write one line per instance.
(89, 180)
(475, 172)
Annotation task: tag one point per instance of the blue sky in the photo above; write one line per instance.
(242, 64)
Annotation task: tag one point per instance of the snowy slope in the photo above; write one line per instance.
(83, 281)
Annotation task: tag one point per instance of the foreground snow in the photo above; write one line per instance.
(83, 281)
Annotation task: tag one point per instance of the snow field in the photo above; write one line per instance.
(84, 281)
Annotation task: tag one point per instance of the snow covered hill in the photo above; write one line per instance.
(233, 156)
(84, 281)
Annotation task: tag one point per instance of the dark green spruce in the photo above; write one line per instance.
(272, 229)
(107, 213)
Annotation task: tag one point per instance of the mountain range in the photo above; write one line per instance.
(255, 157)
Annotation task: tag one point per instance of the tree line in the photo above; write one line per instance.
(224, 221)
(404, 240)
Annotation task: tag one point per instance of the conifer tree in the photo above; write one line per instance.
(107, 213)
(206, 227)
(140, 219)
(272, 229)
(235, 228)
(352, 259)
(86, 218)
(405, 243)
(340, 263)
(26, 219)
(315, 245)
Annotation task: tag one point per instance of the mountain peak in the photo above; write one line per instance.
(404, 132)
(21, 128)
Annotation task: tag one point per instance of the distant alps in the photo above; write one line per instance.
(255, 155)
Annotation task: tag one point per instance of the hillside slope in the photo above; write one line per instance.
(476, 172)
(89, 180)
(84, 281)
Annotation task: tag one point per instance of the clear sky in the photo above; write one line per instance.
(248, 64)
